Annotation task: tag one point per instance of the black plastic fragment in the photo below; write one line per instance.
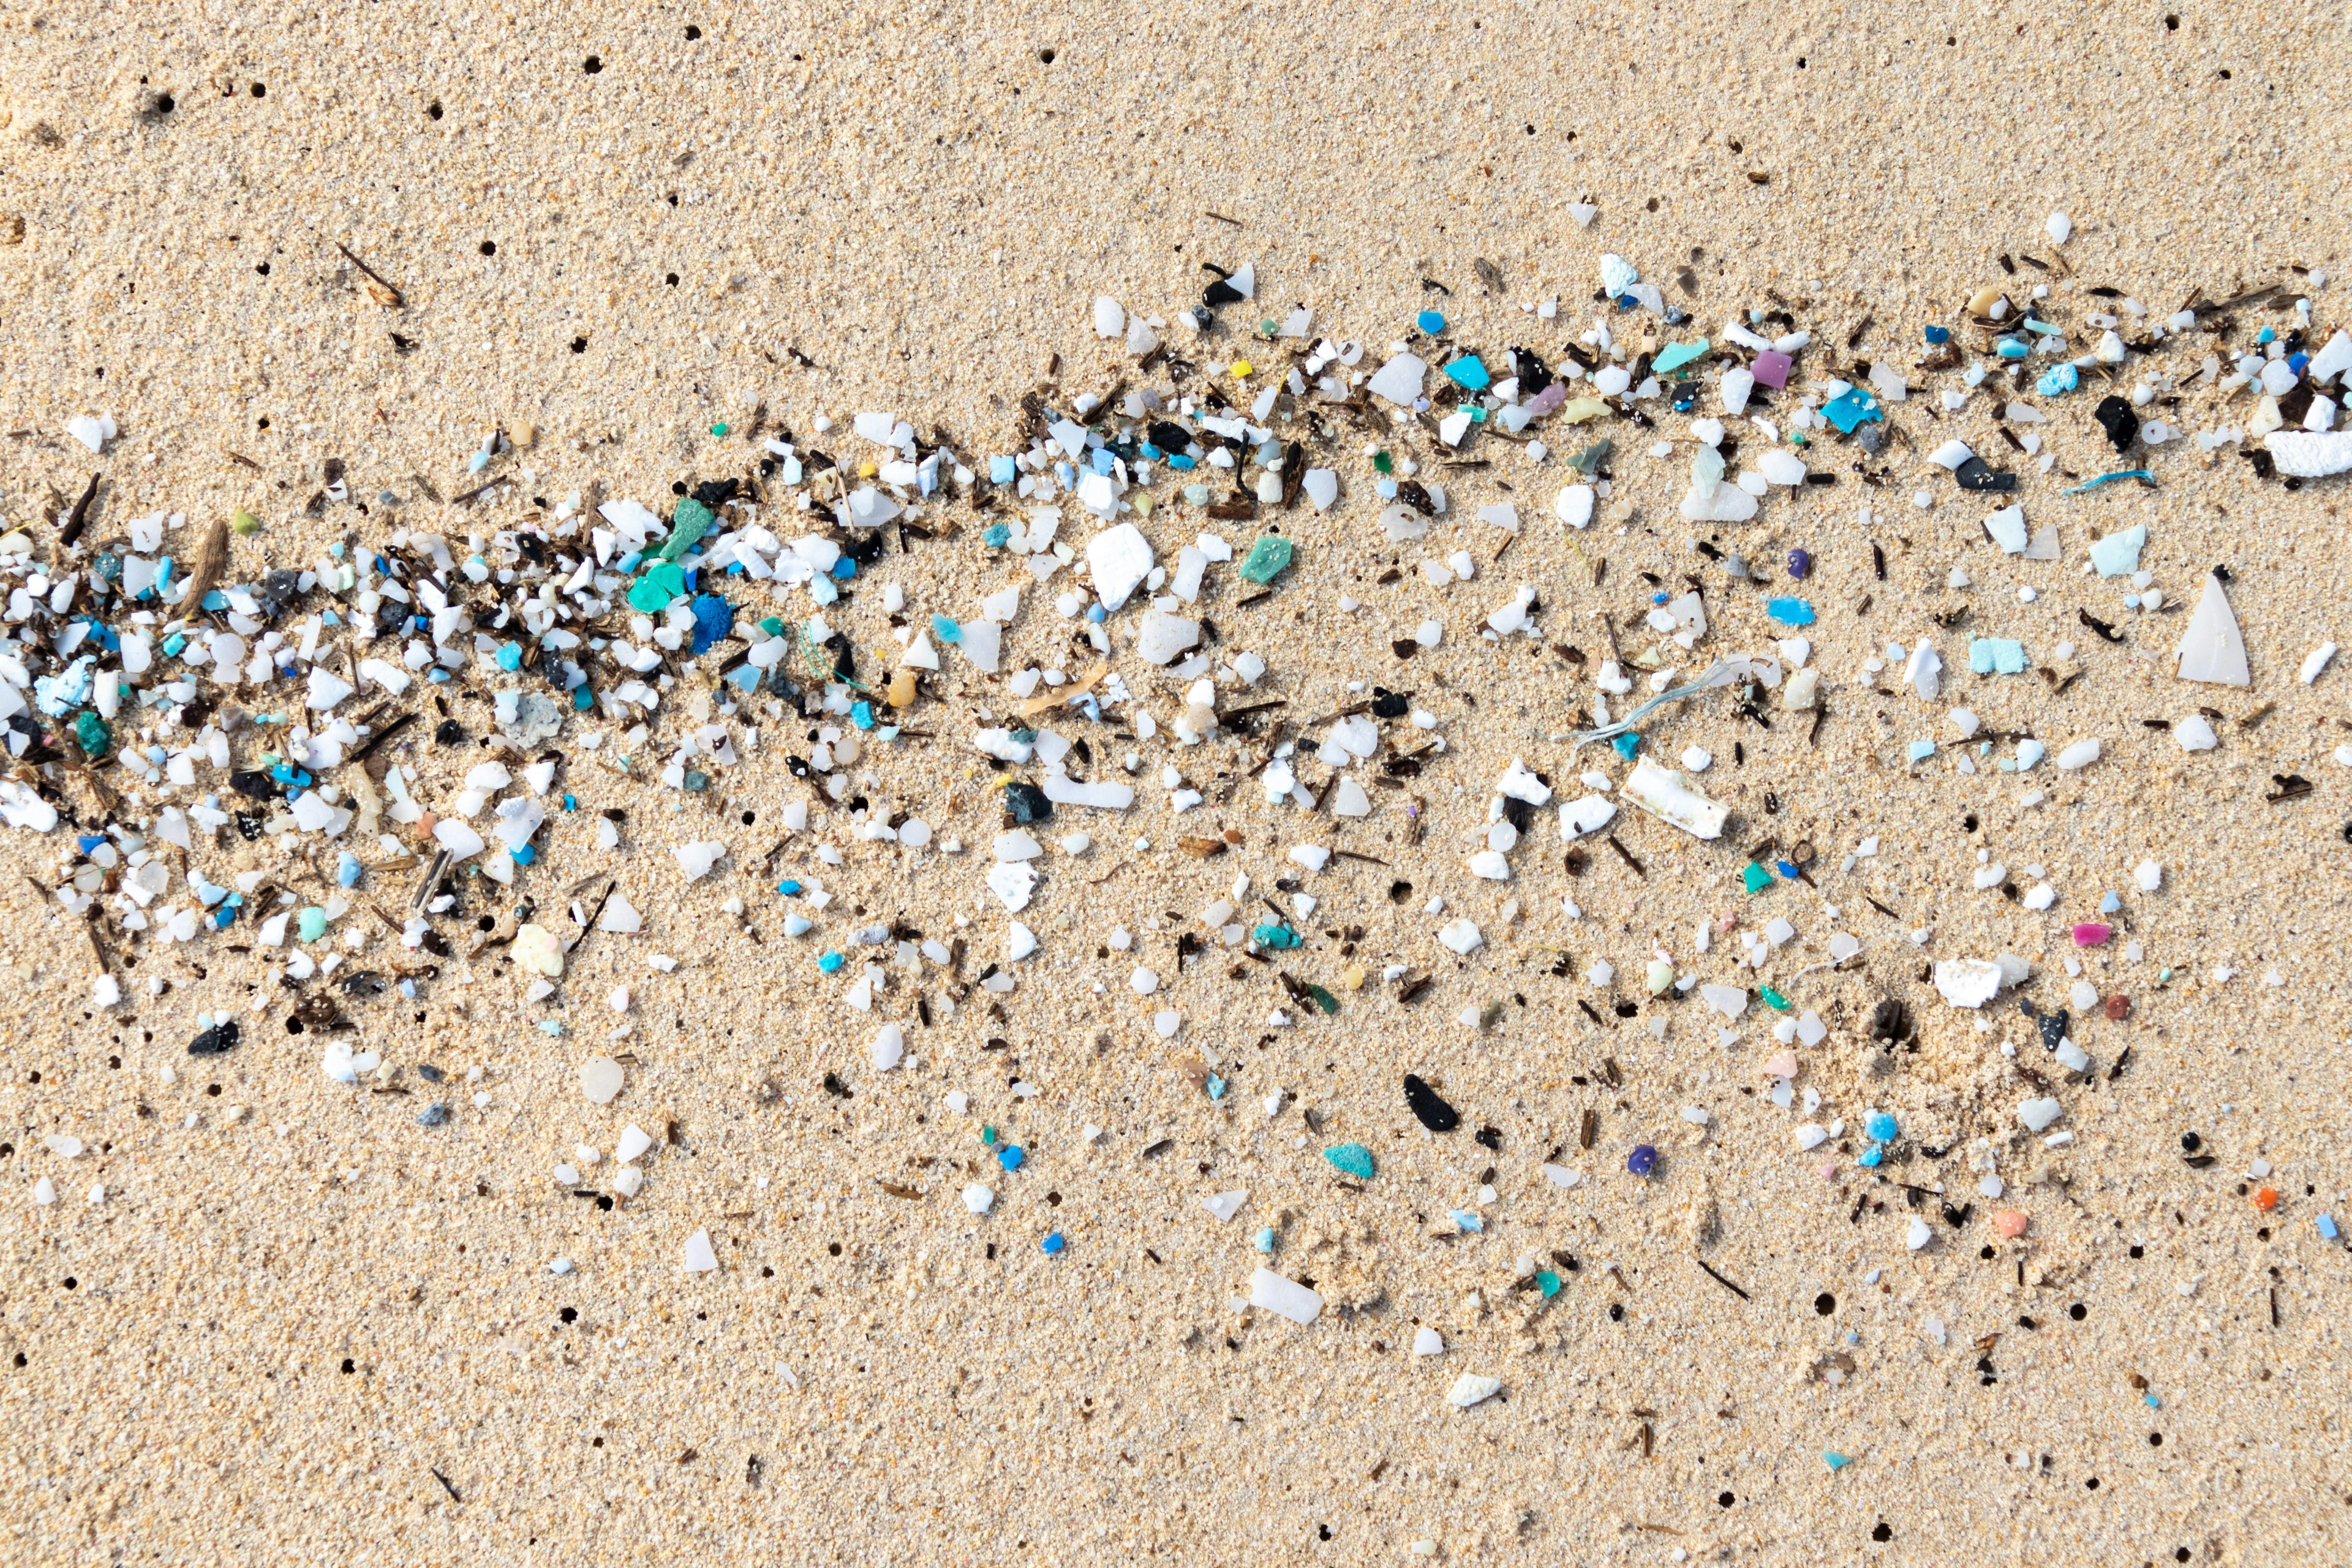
(2116, 417)
(219, 1040)
(1025, 803)
(1429, 1107)
(1977, 475)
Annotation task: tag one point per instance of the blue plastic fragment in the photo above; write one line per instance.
(946, 630)
(2327, 1227)
(1920, 751)
(994, 535)
(831, 963)
(2059, 378)
(1464, 1219)
(1791, 611)
(1265, 1238)
(1001, 472)
(2093, 484)
(1627, 744)
(1430, 321)
(862, 715)
(2013, 348)
(511, 656)
(1996, 656)
(1643, 1160)
(1833, 1458)
(347, 869)
(1940, 334)
(1880, 1127)
(2109, 903)
(1872, 1156)
(714, 617)
(1788, 870)
(1010, 1156)
(1052, 1244)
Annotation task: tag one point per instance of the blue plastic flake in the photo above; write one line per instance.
(1851, 407)
(2152, 1402)
(2059, 378)
(2042, 329)
(1002, 471)
(1643, 1160)
(862, 715)
(946, 630)
(173, 645)
(1920, 751)
(1880, 1127)
(1100, 460)
(995, 535)
(1791, 611)
(2327, 1223)
(553, 1027)
(1940, 334)
(1010, 1156)
(1430, 321)
(288, 774)
(831, 963)
(1052, 1244)
(1469, 372)
(1996, 656)
(1626, 745)
(89, 841)
(511, 656)
(1465, 1220)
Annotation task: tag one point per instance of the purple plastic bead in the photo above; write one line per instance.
(1800, 563)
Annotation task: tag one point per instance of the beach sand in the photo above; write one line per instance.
(299, 1324)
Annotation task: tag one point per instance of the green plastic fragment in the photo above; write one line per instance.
(1383, 462)
(1756, 878)
(1352, 1158)
(1325, 1000)
(687, 524)
(1267, 559)
(1773, 999)
(1835, 1461)
(1589, 462)
(312, 924)
(655, 586)
(1547, 1282)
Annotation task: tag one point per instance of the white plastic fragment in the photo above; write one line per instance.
(2212, 650)
(699, 1257)
(1471, 1389)
(1662, 792)
(889, 1047)
(1427, 1341)
(1119, 558)
(1224, 1205)
(600, 1079)
(2038, 1114)
(1968, 981)
(1285, 1297)
(2078, 756)
(2309, 453)
(2315, 662)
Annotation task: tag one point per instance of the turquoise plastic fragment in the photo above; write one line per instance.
(1851, 407)
(2094, 482)
(1996, 656)
(1627, 744)
(1266, 560)
(1673, 356)
(1352, 1158)
(1274, 936)
(1920, 751)
(946, 630)
(2057, 379)
(1835, 1461)
(656, 586)
(1791, 611)
(1469, 372)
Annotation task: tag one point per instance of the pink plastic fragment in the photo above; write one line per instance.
(1771, 367)
(1781, 1066)
(1550, 398)
(2092, 933)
